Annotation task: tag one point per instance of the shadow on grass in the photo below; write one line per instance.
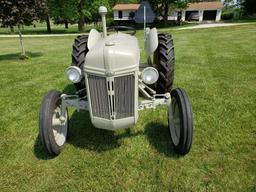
(69, 89)
(84, 135)
(40, 151)
(159, 138)
(16, 56)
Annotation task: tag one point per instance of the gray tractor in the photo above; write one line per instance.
(108, 77)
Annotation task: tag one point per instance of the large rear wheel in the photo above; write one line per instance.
(164, 63)
(180, 121)
(79, 52)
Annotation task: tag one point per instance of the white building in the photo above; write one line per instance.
(125, 12)
(203, 11)
(133, 12)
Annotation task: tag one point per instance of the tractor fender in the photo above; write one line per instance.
(94, 37)
(151, 42)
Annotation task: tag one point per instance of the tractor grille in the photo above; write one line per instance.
(124, 96)
(99, 96)
(112, 99)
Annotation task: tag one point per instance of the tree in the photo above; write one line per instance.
(88, 11)
(80, 7)
(42, 11)
(63, 11)
(163, 7)
(92, 13)
(17, 13)
(249, 6)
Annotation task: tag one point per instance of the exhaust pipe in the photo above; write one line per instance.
(103, 11)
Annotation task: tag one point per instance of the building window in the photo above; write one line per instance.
(120, 14)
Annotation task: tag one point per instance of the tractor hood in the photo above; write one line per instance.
(113, 55)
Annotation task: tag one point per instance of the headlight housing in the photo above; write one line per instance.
(74, 74)
(149, 75)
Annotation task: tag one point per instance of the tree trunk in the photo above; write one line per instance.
(49, 30)
(12, 29)
(81, 24)
(166, 10)
(21, 42)
(81, 17)
(66, 24)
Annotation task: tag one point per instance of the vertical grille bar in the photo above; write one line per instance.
(124, 96)
(99, 96)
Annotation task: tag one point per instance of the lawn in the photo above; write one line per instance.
(40, 28)
(216, 66)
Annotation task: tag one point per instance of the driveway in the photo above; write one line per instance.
(210, 25)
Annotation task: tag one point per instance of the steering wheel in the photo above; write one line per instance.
(123, 28)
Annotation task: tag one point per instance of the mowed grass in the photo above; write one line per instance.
(40, 28)
(217, 68)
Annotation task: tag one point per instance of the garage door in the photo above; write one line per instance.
(191, 15)
(210, 15)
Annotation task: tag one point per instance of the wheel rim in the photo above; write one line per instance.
(174, 122)
(59, 128)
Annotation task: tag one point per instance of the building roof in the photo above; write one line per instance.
(205, 6)
(123, 7)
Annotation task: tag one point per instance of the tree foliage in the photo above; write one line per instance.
(164, 7)
(91, 12)
(249, 6)
(17, 12)
(63, 10)
(42, 9)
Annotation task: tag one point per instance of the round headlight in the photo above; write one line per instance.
(74, 74)
(149, 75)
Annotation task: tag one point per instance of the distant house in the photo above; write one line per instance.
(133, 12)
(203, 11)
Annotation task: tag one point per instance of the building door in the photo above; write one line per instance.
(179, 16)
(120, 14)
(210, 15)
(192, 15)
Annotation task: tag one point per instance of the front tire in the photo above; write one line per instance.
(53, 132)
(180, 121)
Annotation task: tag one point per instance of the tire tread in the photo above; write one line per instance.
(79, 52)
(164, 60)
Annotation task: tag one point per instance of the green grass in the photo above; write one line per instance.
(40, 28)
(243, 20)
(217, 68)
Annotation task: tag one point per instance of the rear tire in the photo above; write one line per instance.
(53, 134)
(79, 52)
(180, 121)
(164, 62)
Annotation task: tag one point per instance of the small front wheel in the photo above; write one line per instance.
(180, 121)
(52, 128)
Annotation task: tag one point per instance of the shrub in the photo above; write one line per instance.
(227, 15)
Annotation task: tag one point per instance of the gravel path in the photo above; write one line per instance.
(210, 25)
